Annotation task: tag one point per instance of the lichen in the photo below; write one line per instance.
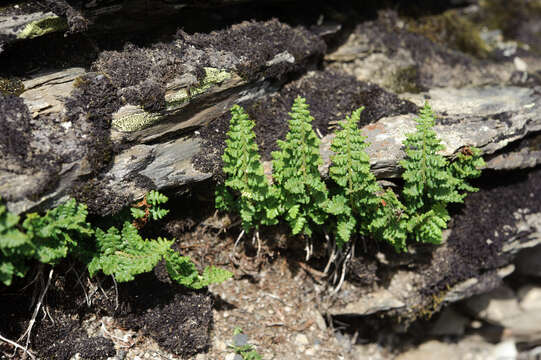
(212, 77)
(42, 27)
(136, 122)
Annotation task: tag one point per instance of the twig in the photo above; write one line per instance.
(17, 346)
(28, 331)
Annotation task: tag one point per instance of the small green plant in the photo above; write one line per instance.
(124, 254)
(389, 222)
(301, 192)
(430, 182)
(246, 190)
(47, 239)
(242, 348)
(15, 247)
(356, 202)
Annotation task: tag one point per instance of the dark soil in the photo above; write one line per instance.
(487, 214)
(331, 95)
(178, 319)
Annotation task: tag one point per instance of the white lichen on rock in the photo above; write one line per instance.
(213, 76)
(134, 118)
(43, 26)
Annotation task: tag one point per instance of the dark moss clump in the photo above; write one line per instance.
(140, 74)
(481, 229)
(90, 106)
(257, 43)
(178, 319)
(65, 338)
(331, 96)
(15, 128)
(98, 197)
(76, 21)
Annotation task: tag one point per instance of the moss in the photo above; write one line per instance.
(42, 27)
(406, 79)
(453, 30)
(136, 122)
(11, 87)
(431, 306)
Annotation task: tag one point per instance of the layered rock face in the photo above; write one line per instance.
(112, 122)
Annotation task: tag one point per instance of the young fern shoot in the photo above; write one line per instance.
(301, 192)
(356, 202)
(246, 190)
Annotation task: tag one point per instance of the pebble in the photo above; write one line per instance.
(301, 340)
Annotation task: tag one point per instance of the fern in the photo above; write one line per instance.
(302, 195)
(15, 247)
(357, 201)
(389, 222)
(430, 182)
(468, 164)
(246, 190)
(56, 234)
(125, 254)
(155, 199)
(182, 270)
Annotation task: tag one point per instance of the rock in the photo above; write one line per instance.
(504, 350)
(301, 340)
(528, 263)
(381, 300)
(501, 307)
(529, 297)
(450, 323)
(494, 306)
(240, 339)
(428, 350)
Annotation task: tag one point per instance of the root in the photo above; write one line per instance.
(116, 292)
(332, 255)
(18, 347)
(256, 235)
(309, 248)
(347, 258)
(238, 239)
(28, 331)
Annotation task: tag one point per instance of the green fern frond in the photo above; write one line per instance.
(246, 190)
(15, 247)
(56, 233)
(357, 201)
(125, 254)
(296, 175)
